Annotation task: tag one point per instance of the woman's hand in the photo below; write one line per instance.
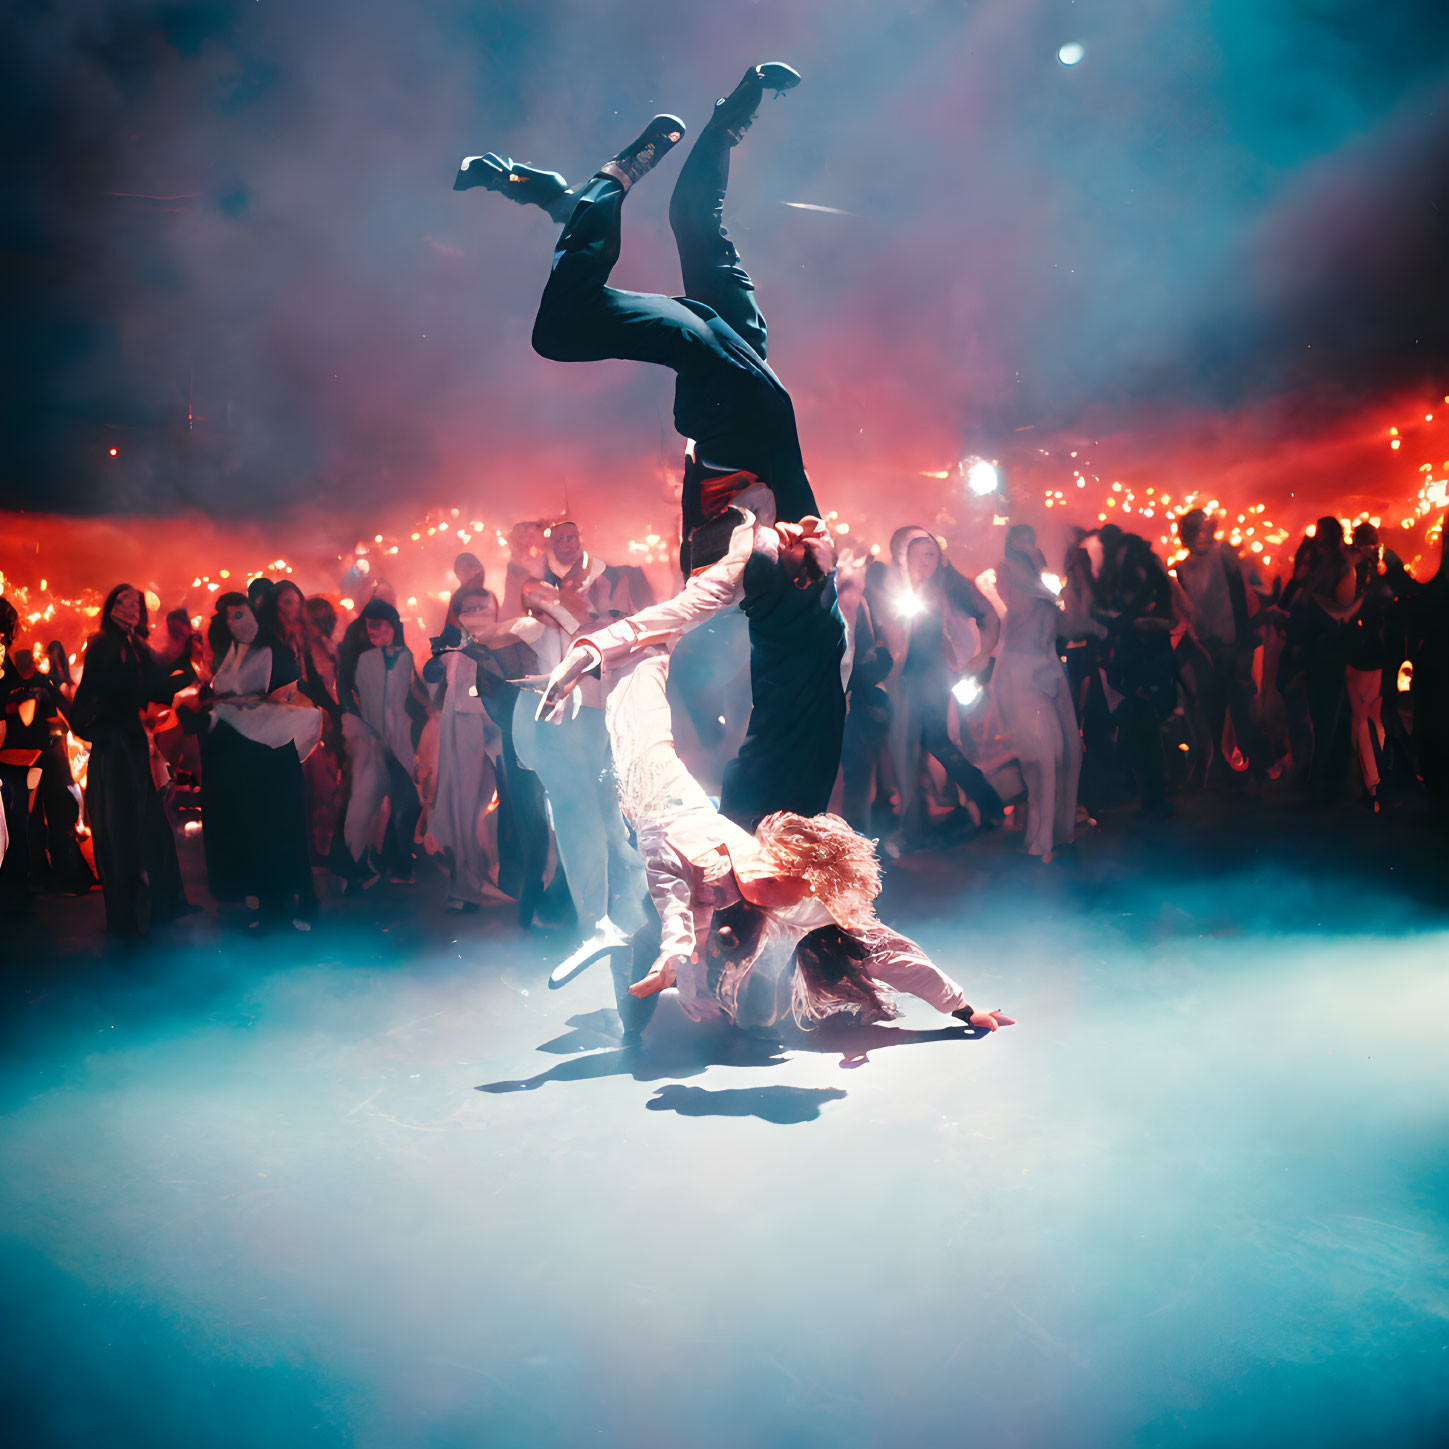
(560, 685)
(983, 1020)
(990, 1020)
(660, 976)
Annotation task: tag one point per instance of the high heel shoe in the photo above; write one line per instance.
(645, 152)
(527, 185)
(737, 110)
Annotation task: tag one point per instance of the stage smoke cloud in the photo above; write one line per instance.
(240, 265)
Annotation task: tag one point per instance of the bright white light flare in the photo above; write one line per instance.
(981, 477)
(967, 691)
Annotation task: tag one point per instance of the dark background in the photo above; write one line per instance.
(232, 253)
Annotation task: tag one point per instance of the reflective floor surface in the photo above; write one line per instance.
(377, 1186)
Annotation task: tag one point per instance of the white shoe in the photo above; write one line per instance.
(607, 937)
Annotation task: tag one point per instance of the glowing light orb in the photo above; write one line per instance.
(966, 691)
(909, 605)
(1053, 582)
(981, 477)
(1072, 53)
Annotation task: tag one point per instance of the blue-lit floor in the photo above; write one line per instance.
(253, 1194)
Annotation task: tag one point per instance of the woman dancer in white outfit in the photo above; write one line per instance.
(806, 882)
(1033, 699)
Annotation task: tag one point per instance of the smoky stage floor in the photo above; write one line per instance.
(377, 1186)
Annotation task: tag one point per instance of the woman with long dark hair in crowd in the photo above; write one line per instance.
(316, 673)
(468, 791)
(926, 601)
(134, 845)
(382, 703)
(288, 606)
(257, 734)
(1033, 699)
(477, 770)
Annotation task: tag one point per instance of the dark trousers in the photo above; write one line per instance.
(404, 810)
(1328, 711)
(929, 703)
(867, 730)
(134, 844)
(54, 850)
(1099, 765)
(15, 865)
(1225, 690)
(1139, 739)
(726, 397)
(1431, 732)
(522, 832)
(709, 262)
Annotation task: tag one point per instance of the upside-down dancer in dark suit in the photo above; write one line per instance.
(731, 405)
(727, 399)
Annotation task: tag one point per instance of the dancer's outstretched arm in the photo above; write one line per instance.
(898, 962)
(704, 595)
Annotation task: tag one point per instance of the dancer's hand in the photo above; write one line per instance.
(561, 683)
(660, 976)
(990, 1020)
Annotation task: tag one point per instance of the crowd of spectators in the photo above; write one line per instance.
(1025, 697)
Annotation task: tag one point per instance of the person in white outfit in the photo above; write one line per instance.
(605, 877)
(1033, 700)
(470, 746)
(744, 914)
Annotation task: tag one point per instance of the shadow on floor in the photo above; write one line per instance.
(679, 1048)
(782, 1105)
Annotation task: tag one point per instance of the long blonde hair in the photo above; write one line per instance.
(838, 865)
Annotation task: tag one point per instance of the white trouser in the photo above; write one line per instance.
(605, 874)
(1034, 703)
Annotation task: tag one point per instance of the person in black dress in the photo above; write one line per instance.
(135, 848)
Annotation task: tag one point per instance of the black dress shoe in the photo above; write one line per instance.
(527, 185)
(641, 155)
(736, 110)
